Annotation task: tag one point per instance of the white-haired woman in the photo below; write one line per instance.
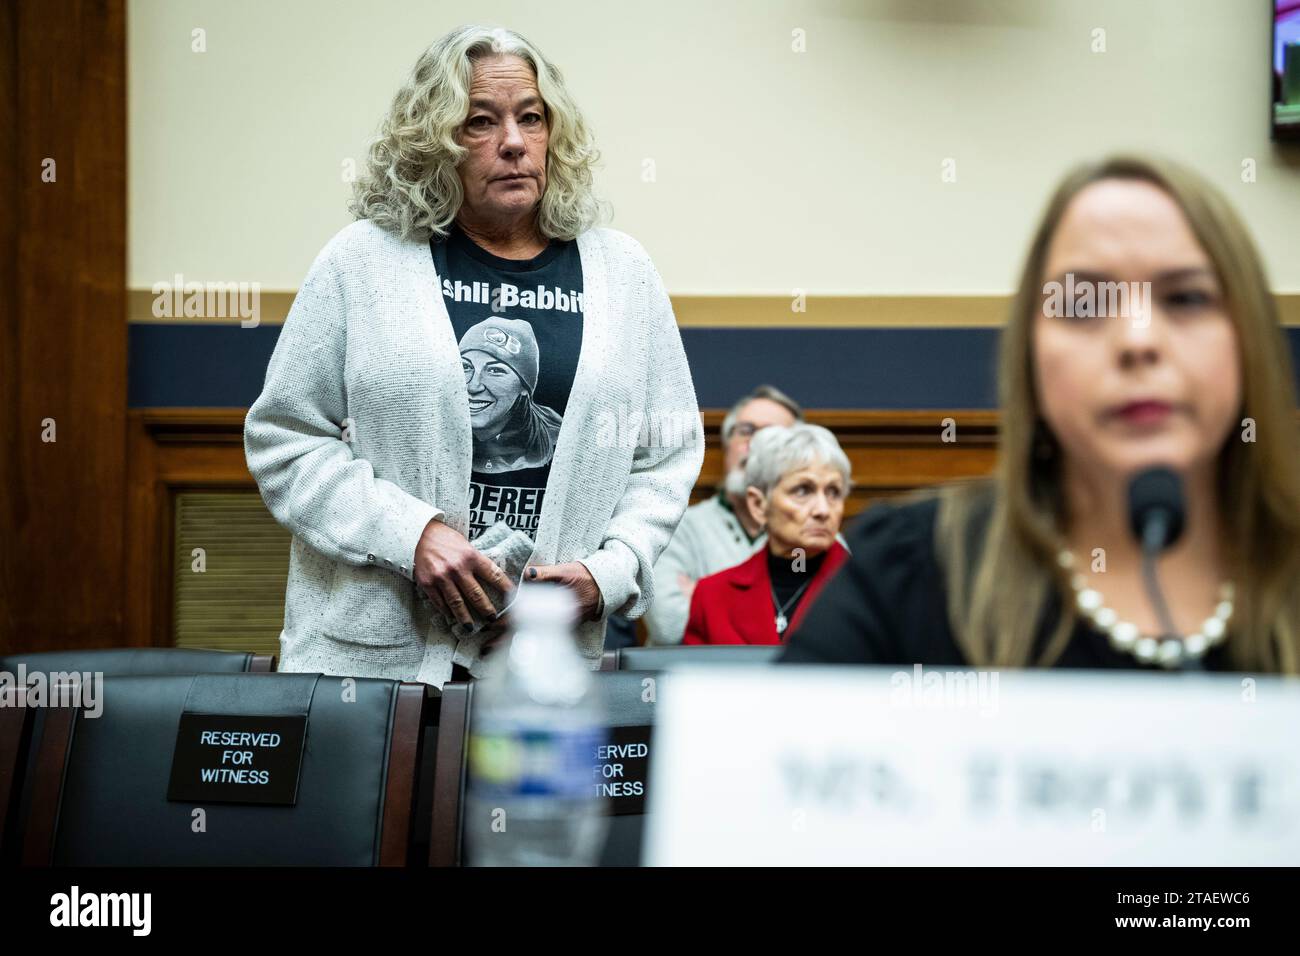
(370, 440)
(797, 478)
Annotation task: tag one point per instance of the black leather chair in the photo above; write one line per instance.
(121, 661)
(21, 729)
(15, 738)
(630, 700)
(620, 632)
(100, 784)
(661, 658)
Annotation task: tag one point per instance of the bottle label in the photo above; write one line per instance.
(505, 762)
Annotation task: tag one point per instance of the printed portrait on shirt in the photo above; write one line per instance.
(500, 359)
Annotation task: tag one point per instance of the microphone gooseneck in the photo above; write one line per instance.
(1157, 515)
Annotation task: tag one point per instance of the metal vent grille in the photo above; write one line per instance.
(237, 602)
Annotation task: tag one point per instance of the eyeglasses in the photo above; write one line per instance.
(744, 430)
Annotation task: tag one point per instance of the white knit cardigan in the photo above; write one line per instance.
(362, 435)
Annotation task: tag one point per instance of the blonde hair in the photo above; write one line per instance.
(997, 539)
(410, 185)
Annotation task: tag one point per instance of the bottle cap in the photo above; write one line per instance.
(543, 604)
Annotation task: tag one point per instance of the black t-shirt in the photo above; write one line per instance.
(888, 605)
(519, 326)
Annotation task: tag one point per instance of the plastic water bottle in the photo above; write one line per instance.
(532, 798)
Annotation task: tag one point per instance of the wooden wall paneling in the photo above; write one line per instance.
(63, 72)
(891, 452)
(175, 450)
(172, 450)
(10, 178)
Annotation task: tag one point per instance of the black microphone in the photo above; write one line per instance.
(1156, 514)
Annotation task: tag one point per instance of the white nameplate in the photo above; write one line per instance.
(794, 765)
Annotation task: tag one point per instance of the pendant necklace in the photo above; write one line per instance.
(781, 621)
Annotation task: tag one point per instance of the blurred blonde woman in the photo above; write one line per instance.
(1037, 566)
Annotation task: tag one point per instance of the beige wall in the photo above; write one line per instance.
(775, 169)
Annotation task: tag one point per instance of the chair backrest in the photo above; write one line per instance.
(15, 735)
(450, 774)
(22, 728)
(630, 706)
(661, 658)
(100, 784)
(122, 661)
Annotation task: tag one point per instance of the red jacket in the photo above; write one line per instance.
(735, 606)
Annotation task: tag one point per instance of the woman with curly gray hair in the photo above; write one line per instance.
(421, 490)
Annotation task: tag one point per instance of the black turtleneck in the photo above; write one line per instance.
(786, 581)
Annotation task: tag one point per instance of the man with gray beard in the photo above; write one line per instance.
(718, 533)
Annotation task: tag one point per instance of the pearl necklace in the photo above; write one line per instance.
(1124, 636)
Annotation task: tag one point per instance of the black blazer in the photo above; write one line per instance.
(889, 605)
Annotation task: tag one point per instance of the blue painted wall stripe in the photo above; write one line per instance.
(224, 365)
